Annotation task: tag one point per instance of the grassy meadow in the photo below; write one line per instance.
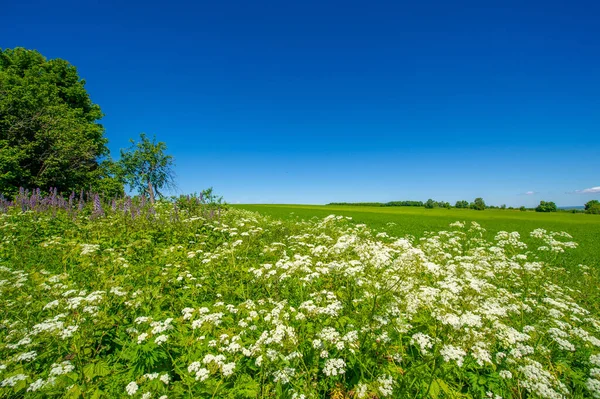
(190, 300)
(400, 221)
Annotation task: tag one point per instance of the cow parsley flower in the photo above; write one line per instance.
(507, 375)
(423, 341)
(200, 372)
(386, 385)
(593, 385)
(61, 368)
(334, 367)
(37, 384)
(227, 369)
(25, 357)
(13, 380)
(161, 339)
(450, 352)
(131, 388)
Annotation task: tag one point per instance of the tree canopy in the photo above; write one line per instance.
(462, 204)
(146, 168)
(478, 204)
(49, 130)
(546, 207)
(593, 207)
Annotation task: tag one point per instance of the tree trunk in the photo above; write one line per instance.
(150, 191)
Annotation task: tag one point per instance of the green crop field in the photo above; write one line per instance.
(400, 221)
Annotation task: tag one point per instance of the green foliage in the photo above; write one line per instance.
(522, 209)
(462, 204)
(430, 204)
(546, 207)
(592, 207)
(146, 168)
(49, 130)
(356, 204)
(391, 203)
(404, 203)
(478, 204)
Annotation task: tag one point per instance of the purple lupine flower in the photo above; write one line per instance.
(81, 201)
(98, 211)
(127, 204)
(32, 201)
(53, 192)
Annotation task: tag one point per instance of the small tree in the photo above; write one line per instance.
(478, 204)
(430, 204)
(146, 168)
(546, 207)
(593, 207)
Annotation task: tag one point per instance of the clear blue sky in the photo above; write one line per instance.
(320, 101)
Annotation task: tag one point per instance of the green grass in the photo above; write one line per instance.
(585, 229)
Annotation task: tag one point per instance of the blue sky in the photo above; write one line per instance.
(321, 101)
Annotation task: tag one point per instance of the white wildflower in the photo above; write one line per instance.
(334, 367)
(131, 388)
(161, 339)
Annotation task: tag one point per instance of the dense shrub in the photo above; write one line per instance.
(546, 207)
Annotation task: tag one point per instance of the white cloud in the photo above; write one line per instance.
(530, 193)
(590, 190)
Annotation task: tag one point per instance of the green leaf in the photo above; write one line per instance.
(89, 371)
(434, 389)
(101, 369)
(74, 392)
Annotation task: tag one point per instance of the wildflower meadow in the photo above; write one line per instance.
(190, 299)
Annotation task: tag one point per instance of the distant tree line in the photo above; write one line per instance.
(592, 207)
(392, 203)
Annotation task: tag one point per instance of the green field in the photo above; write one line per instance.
(130, 299)
(585, 229)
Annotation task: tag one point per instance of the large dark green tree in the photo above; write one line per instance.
(49, 130)
(147, 168)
